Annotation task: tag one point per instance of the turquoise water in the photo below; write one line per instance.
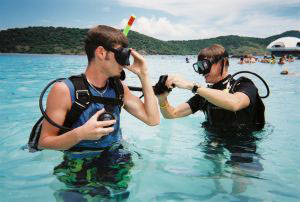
(174, 161)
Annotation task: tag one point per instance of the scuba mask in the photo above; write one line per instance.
(121, 55)
(203, 66)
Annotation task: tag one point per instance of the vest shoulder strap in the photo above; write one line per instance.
(117, 85)
(81, 102)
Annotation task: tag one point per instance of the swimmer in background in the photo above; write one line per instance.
(286, 72)
(265, 59)
(241, 61)
(273, 59)
(281, 61)
(290, 58)
(187, 60)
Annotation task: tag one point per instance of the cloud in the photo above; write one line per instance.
(161, 28)
(106, 9)
(212, 8)
(196, 19)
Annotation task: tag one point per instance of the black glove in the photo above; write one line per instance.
(160, 87)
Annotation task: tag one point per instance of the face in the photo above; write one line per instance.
(112, 67)
(215, 73)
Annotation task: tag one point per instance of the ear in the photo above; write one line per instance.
(100, 52)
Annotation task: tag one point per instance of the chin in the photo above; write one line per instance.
(207, 80)
(116, 74)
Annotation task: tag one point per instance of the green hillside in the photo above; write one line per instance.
(60, 40)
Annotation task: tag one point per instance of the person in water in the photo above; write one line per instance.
(223, 107)
(241, 60)
(93, 142)
(231, 115)
(281, 61)
(291, 58)
(187, 60)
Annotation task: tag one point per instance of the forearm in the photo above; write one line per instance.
(166, 109)
(219, 98)
(61, 142)
(150, 100)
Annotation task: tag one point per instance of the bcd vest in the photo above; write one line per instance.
(248, 118)
(86, 102)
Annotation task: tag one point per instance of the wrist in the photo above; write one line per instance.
(163, 102)
(162, 99)
(143, 73)
(195, 88)
(78, 133)
(190, 86)
(164, 105)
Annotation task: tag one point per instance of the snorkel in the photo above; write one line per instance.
(122, 56)
(129, 24)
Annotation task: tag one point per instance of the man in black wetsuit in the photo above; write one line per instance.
(233, 110)
(225, 108)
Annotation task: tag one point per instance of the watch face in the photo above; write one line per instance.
(195, 88)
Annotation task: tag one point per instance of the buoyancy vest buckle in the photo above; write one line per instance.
(83, 96)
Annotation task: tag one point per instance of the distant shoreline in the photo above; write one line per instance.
(58, 54)
(70, 41)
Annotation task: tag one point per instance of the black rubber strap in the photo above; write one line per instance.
(81, 149)
(105, 100)
(82, 100)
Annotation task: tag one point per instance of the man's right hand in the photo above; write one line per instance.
(179, 82)
(94, 129)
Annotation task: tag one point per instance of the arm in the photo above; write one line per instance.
(232, 102)
(147, 111)
(170, 112)
(58, 104)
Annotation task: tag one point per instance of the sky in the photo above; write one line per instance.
(161, 19)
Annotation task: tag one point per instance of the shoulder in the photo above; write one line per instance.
(247, 87)
(243, 84)
(60, 87)
(59, 96)
(60, 91)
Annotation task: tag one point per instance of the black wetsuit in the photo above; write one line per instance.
(250, 118)
(233, 130)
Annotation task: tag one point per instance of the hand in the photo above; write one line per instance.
(179, 82)
(93, 129)
(160, 87)
(139, 65)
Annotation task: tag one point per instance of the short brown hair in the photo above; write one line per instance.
(105, 36)
(215, 52)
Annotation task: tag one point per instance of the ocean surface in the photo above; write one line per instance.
(175, 161)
